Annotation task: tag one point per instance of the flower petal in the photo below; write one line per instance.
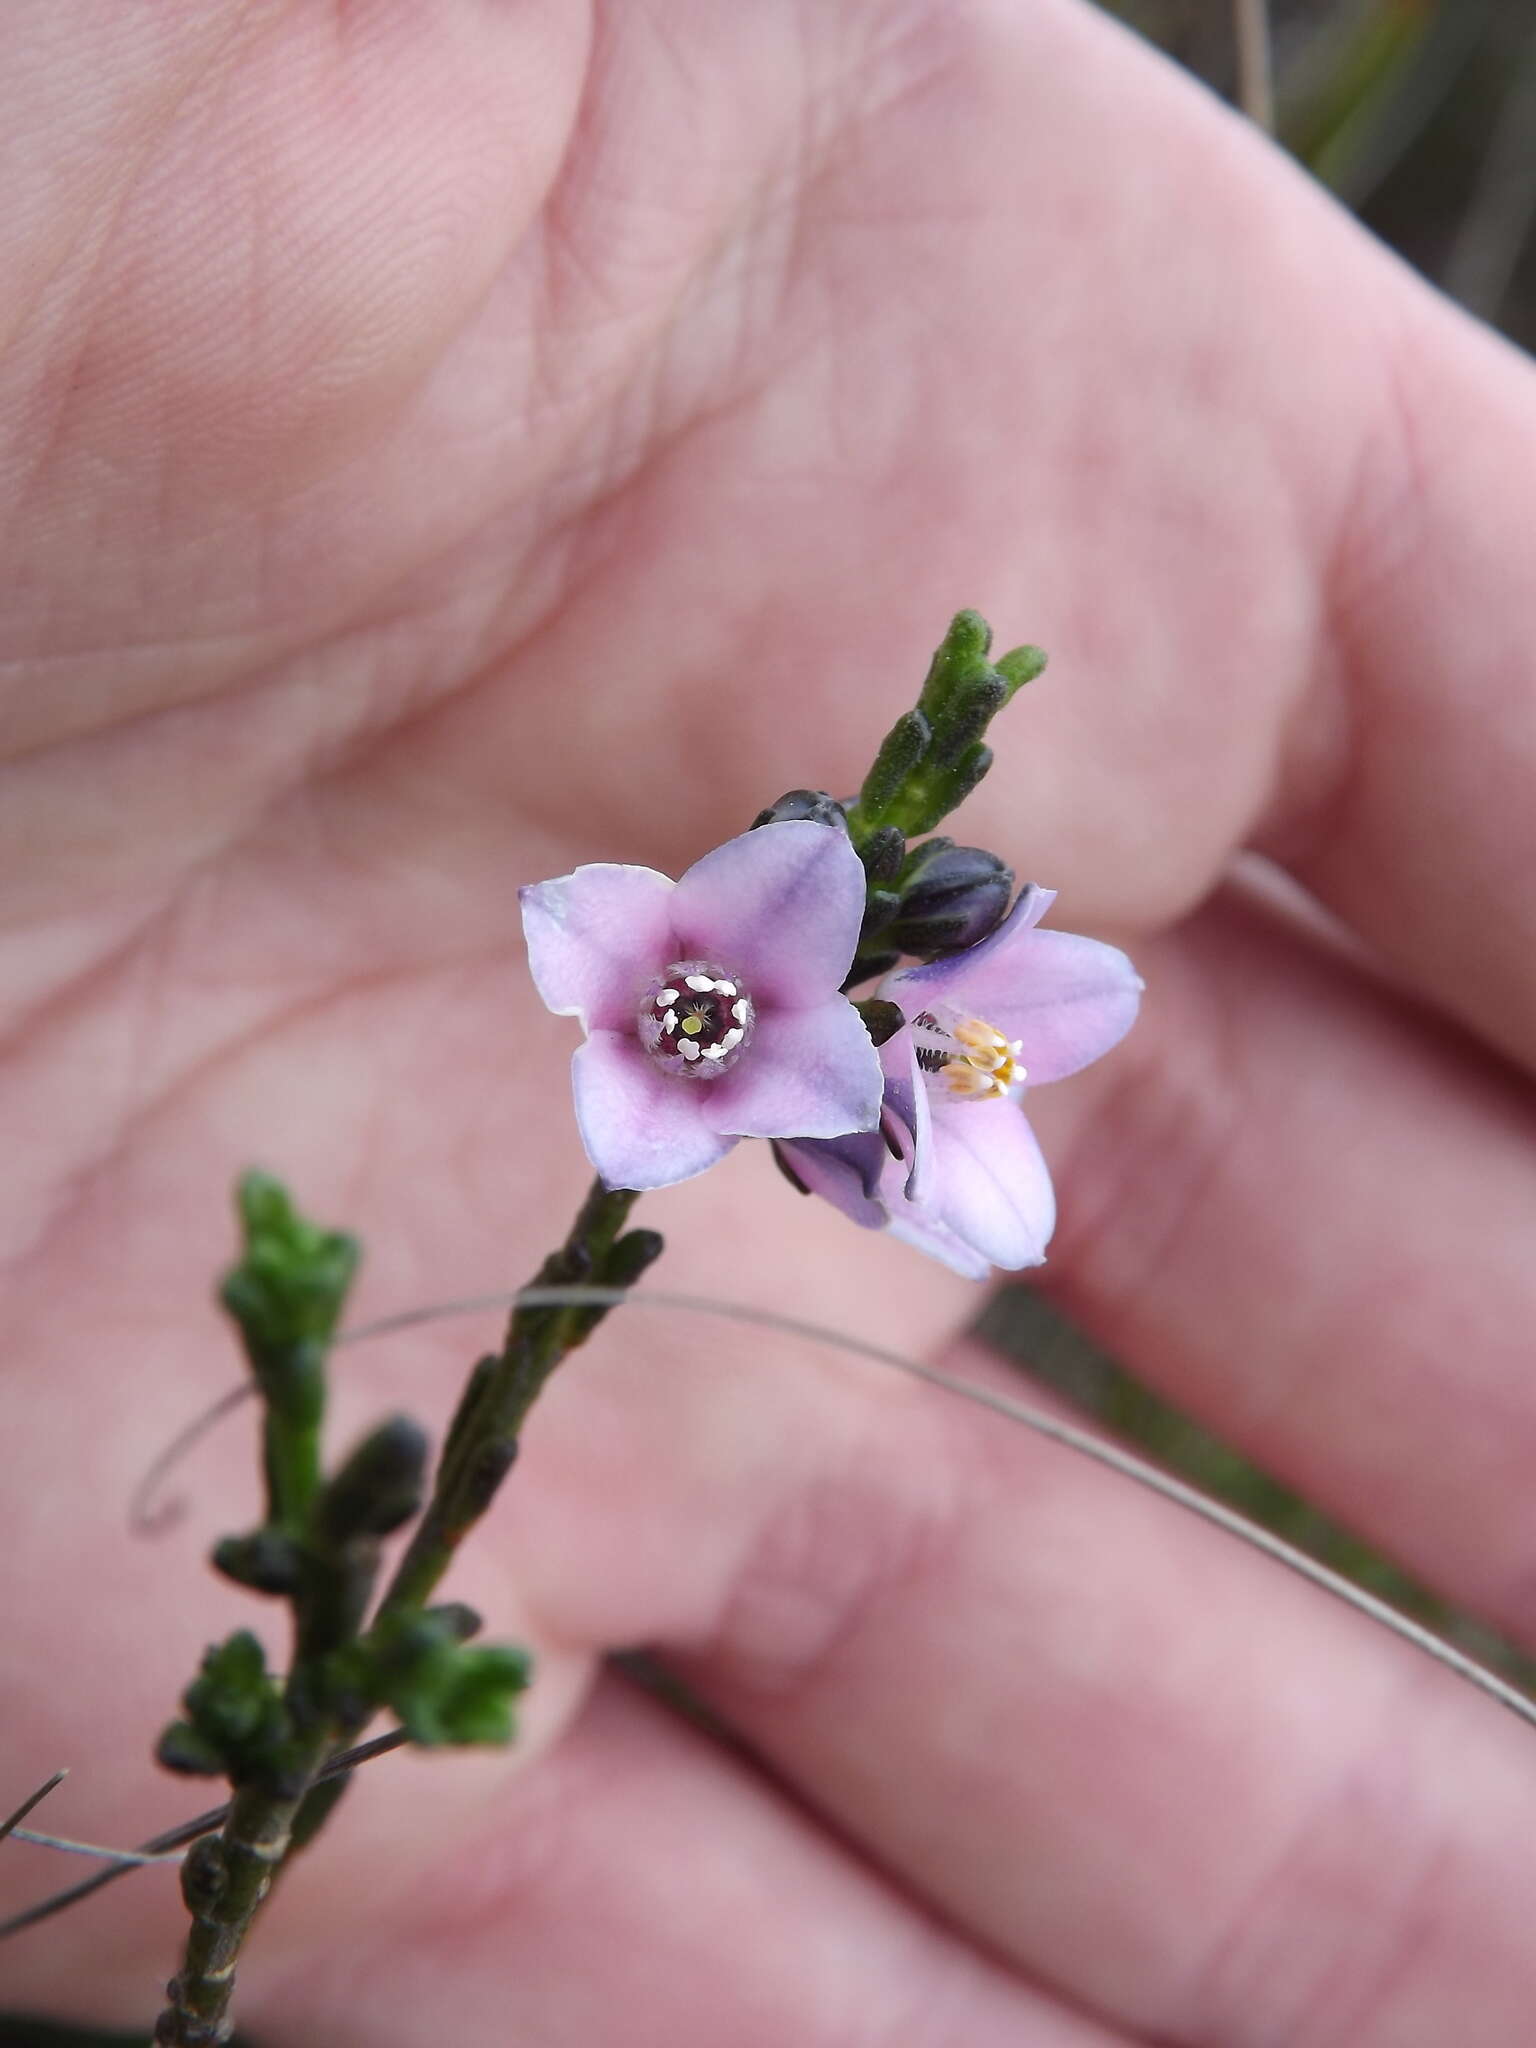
(939, 977)
(992, 1185)
(916, 1227)
(641, 1128)
(1067, 999)
(1072, 1000)
(781, 906)
(806, 1074)
(844, 1171)
(906, 1098)
(594, 937)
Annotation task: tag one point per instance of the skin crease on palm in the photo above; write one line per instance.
(440, 444)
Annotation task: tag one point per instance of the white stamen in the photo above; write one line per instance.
(695, 1018)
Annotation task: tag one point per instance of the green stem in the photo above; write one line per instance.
(224, 1880)
(482, 1440)
(226, 1876)
(291, 1461)
(292, 1382)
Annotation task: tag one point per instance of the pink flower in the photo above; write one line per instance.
(710, 1004)
(954, 1168)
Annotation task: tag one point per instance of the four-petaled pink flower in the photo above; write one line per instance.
(954, 1168)
(710, 1004)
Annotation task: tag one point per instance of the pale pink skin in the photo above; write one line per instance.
(973, 1188)
(440, 441)
(779, 909)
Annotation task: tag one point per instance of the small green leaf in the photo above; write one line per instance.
(266, 1560)
(458, 1619)
(378, 1488)
(880, 906)
(901, 751)
(1021, 665)
(972, 710)
(181, 1749)
(444, 1692)
(477, 1706)
(235, 1714)
(882, 854)
(630, 1256)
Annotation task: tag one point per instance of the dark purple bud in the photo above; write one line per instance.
(814, 804)
(952, 898)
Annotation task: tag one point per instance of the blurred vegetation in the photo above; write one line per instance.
(1417, 114)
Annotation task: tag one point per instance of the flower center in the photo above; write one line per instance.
(695, 1020)
(965, 1059)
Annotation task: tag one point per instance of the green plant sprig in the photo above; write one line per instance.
(928, 764)
(319, 1548)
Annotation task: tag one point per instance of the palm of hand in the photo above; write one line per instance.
(447, 453)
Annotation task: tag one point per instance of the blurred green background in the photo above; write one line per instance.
(1420, 115)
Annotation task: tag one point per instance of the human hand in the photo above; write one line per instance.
(441, 446)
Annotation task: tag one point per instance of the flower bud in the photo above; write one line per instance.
(813, 804)
(954, 896)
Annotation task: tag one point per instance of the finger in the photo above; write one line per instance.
(1370, 718)
(638, 1886)
(1426, 840)
(1120, 1750)
(1304, 1214)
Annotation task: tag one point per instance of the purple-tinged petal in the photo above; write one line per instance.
(1076, 1000)
(1068, 1000)
(594, 938)
(780, 906)
(641, 1128)
(843, 1171)
(906, 1098)
(993, 1187)
(916, 1227)
(806, 1074)
(941, 977)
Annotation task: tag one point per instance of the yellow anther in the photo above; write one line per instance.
(987, 1066)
